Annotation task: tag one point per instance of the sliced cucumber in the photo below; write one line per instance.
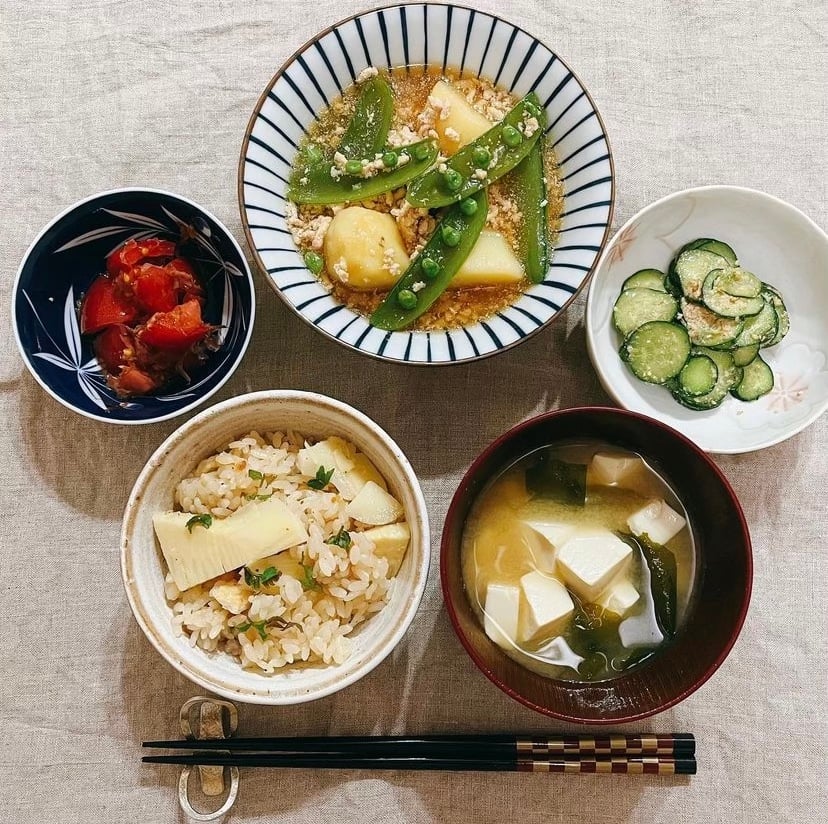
(638, 305)
(757, 380)
(783, 320)
(698, 376)
(656, 351)
(718, 247)
(647, 279)
(727, 377)
(760, 328)
(740, 283)
(743, 355)
(719, 300)
(706, 328)
(691, 268)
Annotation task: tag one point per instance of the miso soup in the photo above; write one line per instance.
(579, 561)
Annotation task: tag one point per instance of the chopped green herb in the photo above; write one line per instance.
(199, 520)
(255, 475)
(308, 581)
(322, 479)
(262, 626)
(253, 497)
(258, 580)
(341, 539)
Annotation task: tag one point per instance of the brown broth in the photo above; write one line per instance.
(455, 307)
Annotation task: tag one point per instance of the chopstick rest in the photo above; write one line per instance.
(215, 720)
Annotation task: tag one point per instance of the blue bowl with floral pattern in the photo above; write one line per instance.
(70, 252)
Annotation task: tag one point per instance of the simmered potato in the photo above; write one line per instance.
(364, 250)
(458, 123)
(491, 262)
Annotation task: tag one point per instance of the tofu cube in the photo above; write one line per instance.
(502, 611)
(589, 562)
(619, 597)
(658, 520)
(614, 469)
(544, 539)
(546, 607)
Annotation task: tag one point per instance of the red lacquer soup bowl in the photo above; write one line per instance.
(721, 591)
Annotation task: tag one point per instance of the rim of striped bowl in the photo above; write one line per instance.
(547, 317)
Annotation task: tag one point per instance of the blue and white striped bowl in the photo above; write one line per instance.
(70, 252)
(409, 35)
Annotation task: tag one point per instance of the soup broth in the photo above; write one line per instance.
(579, 561)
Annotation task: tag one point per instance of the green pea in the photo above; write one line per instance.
(420, 151)
(482, 157)
(353, 167)
(450, 235)
(430, 268)
(313, 153)
(454, 180)
(314, 262)
(389, 160)
(511, 136)
(407, 299)
(468, 206)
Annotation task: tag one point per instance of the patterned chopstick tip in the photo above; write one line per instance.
(600, 745)
(618, 765)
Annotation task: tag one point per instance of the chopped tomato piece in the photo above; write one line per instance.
(115, 347)
(155, 288)
(185, 279)
(134, 252)
(177, 329)
(133, 381)
(104, 305)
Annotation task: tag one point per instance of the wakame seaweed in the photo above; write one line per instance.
(662, 565)
(549, 477)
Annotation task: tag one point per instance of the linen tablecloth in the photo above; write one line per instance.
(100, 93)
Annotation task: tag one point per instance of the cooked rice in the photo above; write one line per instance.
(353, 583)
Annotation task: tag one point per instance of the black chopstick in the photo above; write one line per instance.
(621, 764)
(483, 747)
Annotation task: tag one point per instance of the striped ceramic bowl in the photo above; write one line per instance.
(449, 36)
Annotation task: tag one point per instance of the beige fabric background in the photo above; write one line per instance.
(100, 93)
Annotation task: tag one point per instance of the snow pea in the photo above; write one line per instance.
(506, 144)
(367, 131)
(364, 136)
(317, 185)
(443, 259)
(532, 197)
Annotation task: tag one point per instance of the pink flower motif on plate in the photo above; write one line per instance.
(621, 243)
(787, 392)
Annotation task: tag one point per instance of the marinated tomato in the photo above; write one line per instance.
(146, 312)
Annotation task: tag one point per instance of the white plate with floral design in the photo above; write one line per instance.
(780, 245)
